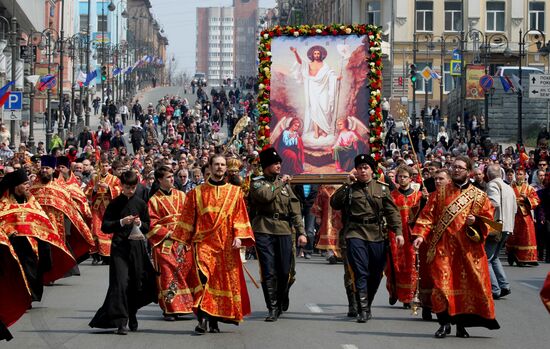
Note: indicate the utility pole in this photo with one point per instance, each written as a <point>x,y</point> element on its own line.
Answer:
<point>88,104</point>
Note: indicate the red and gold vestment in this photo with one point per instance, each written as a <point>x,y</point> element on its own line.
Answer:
<point>404,258</point>
<point>57,203</point>
<point>545,292</point>
<point>213,216</point>
<point>99,201</point>
<point>72,185</point>
<point>15,299</point>
<point>331,220</point>
<point>30,220</point>
<point>523,242</point>
<point>458,265</point>
<point>173,259</point>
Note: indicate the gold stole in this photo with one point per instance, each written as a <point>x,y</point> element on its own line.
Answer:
<point>460,203</point>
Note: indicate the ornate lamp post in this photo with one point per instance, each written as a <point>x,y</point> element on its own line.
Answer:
<point>522,53</point>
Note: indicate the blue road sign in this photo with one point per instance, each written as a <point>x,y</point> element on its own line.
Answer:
<point>456,55</point>
<point>486,82</point>
<point>456,68</point>
<point>14,101</point>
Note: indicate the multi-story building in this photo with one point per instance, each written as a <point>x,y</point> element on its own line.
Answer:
<point>215,43</point>
<point>227,41</point>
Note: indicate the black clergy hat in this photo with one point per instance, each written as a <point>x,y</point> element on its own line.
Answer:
<point>13,179</point>
<point>269,157</point>
<point>48,161</point>
<point>366,159</point>
<point>63,161</point>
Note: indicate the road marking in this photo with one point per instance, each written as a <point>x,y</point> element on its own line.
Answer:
<point>529,285</point>
<point>349,346</point>
<point>314,308</point>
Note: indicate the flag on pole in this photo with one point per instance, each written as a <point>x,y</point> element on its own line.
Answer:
<point>435,75</point>
<point>81,78</point>
<point>506,84</point>
<point>117,71</point>
<point>90,76</point>
<point>47,81</point>
<point>5,93</point>
<point>33,79</point>
<point>517,85</point>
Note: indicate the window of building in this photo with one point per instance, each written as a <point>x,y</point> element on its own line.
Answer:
<point>424,16</point>
<point>448,80</point>
<point>495,16</point>
<point>102,23</point>
<point>83,23</point>
<point>423,86</point>
<point>453,16</point>
<point>536,15</point>
<point>373,12</point>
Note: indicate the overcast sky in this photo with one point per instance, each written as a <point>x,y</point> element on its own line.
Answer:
<point>178,18</point>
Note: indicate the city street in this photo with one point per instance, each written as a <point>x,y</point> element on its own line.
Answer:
<point>316,318</point>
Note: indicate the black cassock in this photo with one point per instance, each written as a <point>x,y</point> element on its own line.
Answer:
<point>132,282</point>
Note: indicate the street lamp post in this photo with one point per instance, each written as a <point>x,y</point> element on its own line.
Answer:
<point>497,38</point>
<point>61,39</point>
<point>443,41</point>
<point>14,44</point>
<point>522,53</point>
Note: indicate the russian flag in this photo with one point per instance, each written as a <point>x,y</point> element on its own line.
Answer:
<point>507,85</point>
<point>90,76</point>
<point>47,81</point>
<point>117,71</point>
<point>4,93</point>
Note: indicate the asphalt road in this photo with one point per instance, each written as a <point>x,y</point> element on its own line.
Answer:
<point>316,318</point>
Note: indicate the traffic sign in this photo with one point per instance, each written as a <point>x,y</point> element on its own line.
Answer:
<point>456,55</point>
<point>14,101</point>
<point>486,82</point>
<point>11,115</point>
<point>426,73</point>
<point>539,86</point>
<point>456,68</point>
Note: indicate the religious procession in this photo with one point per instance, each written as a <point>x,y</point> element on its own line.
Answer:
<point>196,205</point>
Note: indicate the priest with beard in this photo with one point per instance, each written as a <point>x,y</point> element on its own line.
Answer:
<point>63,213</point>
<point>132,282</point>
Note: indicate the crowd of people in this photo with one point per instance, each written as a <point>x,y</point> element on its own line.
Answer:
<point>175,214</point>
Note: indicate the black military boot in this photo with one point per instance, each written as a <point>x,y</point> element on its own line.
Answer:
<point>363,306</point>
<point>352,302</point>
<point>270,294</point>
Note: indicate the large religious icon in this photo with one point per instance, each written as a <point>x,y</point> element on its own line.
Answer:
<point>320,101</point>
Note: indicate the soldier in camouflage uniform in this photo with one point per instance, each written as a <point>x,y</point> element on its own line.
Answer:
<point>367,207</point>
<point>276,212</point>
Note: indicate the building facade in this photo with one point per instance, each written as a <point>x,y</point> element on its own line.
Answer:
<point>227,39</point>
<point>215,43</point>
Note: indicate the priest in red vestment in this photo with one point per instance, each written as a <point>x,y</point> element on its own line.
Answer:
<point>58,205</point>
<point>522,244</point>
<point>545,292</point>
<point>101,190</point>
<point>41,252</point>
<point>329,221</point>
<point>215,220</point>
<point>401,276</point>
<point>173,259</point>
<point>15,299</point>
<point>71,183</point>
<point>452,225</point>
